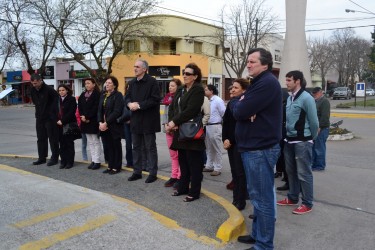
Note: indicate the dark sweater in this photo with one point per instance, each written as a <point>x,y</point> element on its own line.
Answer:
<point>263,98</point>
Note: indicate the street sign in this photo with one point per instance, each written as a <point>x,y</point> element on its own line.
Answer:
<point>360,89</point>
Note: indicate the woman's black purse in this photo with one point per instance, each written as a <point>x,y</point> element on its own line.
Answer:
<point>192,129</point>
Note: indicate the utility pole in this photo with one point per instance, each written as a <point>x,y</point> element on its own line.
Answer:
<point>256,33</point>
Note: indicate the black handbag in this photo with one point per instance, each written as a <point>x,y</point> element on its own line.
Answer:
<point>73,129</point>
<point>192,129</point>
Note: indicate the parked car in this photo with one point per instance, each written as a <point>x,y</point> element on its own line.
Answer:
<point>370,92</point>
<point>342,92</point>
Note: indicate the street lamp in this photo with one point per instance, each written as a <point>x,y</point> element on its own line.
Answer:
<point>353,11</point>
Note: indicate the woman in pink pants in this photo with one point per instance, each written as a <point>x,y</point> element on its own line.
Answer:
<point>175,175</point>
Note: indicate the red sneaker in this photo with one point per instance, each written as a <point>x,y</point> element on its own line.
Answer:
<point>286,202</point>
<point>303,209</point>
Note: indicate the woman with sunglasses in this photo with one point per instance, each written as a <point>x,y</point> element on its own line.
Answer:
<point>187,105</point>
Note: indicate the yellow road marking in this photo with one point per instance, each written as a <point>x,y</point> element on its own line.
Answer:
<point>346,115</point>
<point>47,216</point>
<point>52,239</point>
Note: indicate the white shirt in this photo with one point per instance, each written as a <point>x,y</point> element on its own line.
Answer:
<point>217,109</point>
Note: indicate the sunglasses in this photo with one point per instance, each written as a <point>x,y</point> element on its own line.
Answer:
<point>187,73</point>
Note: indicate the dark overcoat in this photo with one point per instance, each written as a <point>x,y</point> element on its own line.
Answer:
<point>112,110</point>
<point>89,108</point>
<point>146,92</point>
<point>190,103</point>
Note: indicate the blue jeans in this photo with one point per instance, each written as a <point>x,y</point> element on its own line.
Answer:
<point>319,150</point>
<point>84,147</point>
<point>128,145</point>
<point>298,166</point>
<point>259,169</point>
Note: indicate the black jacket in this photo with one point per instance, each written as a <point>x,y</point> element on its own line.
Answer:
<point>89,108</point>
<point>112,110</point>
<point>68,108</point>
<point>46,103</point>
<point>229,125</point>
<point>146,92</point>
<point>190,104</point>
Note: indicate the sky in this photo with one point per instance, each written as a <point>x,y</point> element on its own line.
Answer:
<point>320,14</point>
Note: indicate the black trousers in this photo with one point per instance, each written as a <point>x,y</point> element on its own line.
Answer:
<point>114,150</point>
<point>145,153</point>
<point>238,174</point>
<point>67,150</point>
<point>47,130</point>
<point>191,163</point>
<point>280,165</point>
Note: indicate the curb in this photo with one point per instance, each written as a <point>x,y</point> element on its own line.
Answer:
<point>233,227</point>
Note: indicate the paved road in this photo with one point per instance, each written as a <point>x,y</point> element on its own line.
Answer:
<point>343,216</point>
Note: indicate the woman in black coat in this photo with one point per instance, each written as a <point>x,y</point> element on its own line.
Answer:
<point>186,105</point>
<point>66,115</point>
<point>229,142</point>
<point>88,103</point>
<point>110,108</point>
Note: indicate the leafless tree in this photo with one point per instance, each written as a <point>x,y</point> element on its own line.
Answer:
<point>7,50</point>
<point>245,24</point>
<point>95,28</point>
<point>34,39</point>
<point>321,57</point>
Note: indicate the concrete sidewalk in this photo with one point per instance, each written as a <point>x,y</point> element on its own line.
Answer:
<point>206,223</point>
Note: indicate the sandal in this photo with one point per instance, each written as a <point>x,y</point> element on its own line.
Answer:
<point>107,171</point>
<point>176,193</point>
<point>189,199</point>
<point>114,171</point>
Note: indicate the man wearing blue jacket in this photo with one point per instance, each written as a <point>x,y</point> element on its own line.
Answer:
<point>301,129</point>
<point>258,132</point>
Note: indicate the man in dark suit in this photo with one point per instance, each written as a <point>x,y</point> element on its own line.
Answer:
<point>45,99</point>
<point>143,99</point>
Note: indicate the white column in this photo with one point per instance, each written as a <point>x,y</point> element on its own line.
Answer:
<point>294,56</point>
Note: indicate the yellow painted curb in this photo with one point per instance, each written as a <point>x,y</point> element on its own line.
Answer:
<point>351,115</point>
<point>229,230</point>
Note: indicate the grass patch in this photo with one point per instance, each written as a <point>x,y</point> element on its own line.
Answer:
<point>369,103</point>
<point>338,131</point>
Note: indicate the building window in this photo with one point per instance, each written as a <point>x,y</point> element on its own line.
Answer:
<point>156,46</point>
<point>131,46</point>
<point>173,47</point>
<point>277,56</point>
<point>198,47</point>
<point>217,49</point>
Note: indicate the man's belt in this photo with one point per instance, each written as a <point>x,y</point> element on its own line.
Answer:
<point>216,123</point>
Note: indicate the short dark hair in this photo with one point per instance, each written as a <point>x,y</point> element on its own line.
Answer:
<point>68,89</point>
<point>265,57</point>
<point>297,75</point>
<point>213,89</point>
<point>196,69</point>
<point>114,80</point>
<point>244,83</point>
<point>35,76</point>
<point>316,90</point>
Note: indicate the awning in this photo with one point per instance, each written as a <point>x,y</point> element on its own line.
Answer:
<point>5,92</point>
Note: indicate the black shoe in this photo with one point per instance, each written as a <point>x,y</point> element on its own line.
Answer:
<point>240,205</point>
<point>151,178</point>
<point>96,166</point>
<point>175,185</point>
<point>251,216</point>
<point>114,171</point>
<point>52,162</point>
<point>170,182</point>
<point>107,171</point>
<point>39,161</point>
<point>251,248</point>
<point>135,177</point>
<point>68,166</point>
<point>284,187</point>
<point>91,165</point>
<point>247,239</point>
<point>62,166</point>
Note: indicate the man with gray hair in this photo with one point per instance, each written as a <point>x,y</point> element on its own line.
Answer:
<point>143,99</point>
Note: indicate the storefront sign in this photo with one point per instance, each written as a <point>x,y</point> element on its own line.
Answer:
<point>49,72</point>
<point>14,76</point>
<point>80,74</point>
<point>164,71</point>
